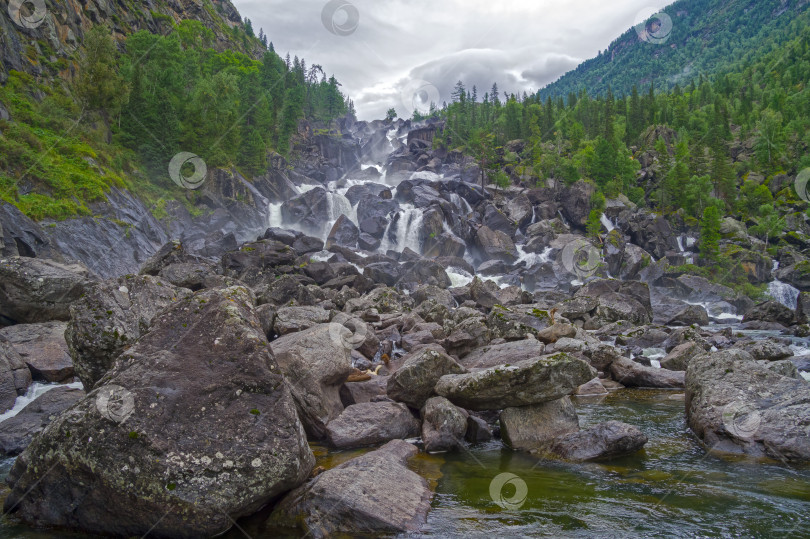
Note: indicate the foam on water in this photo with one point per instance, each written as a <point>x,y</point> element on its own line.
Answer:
<point>459,277</point>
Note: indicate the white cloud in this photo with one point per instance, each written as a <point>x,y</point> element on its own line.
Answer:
<point>521,44</point>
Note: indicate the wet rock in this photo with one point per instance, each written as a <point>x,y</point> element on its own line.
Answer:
<point>374,494</point>
<point>769,417</point>
<point>503,354</point>
<point>387,273</point>
<point>603,441</point>
<point>111,316</point>
<point>770,311</point>
<point>494,244</point>
<point>413,383</point>
<point>198,426</point>
<point>315,363</point>
<point>307,211</point>
<point>680,356</point>
<point>689,315</point>
<point>443,425</point>
<point>36,290</point>
<point>15,377</point>
<point>644,337</point>
<point>682,335</point>
<point>594,387</point>
<point>371,423</point>
<point>478,430</point>
<point>631,374</point>
<point>344,233</point>
<point>43,348</point>
<point>535,427</point>
<point>424,272</point>
<point>17,432</point>
<point>532,381</point>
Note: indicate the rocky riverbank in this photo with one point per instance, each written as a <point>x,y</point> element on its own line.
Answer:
<point>392,299</point>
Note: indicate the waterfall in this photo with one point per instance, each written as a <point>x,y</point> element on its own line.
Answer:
<point>533,259</point>
<point>782,292</point>
<point>680,244</point>
<point>460,203</point>
<point>275,215</point>
<point>562,218</point>
<point>406,233</point>
<point>607,223</point>
<point>459,277</point>
<point>340,205</point>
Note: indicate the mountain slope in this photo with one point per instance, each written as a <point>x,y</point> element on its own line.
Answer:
<point>706,37</point>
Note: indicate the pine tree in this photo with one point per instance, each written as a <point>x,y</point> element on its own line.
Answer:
<point>710,234</point>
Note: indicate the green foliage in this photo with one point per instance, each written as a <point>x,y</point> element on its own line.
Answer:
<point>710,234</point>
<point>594,225</point>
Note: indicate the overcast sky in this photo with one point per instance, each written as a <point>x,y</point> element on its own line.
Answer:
<point>397,53</point>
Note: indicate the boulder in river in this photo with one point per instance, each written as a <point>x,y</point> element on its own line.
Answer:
<point>371,423</point>
<point>631,374</point>
<point>413,383</point>
<point>737,404</point>
<point>535,427</point>
<point>443,425</point>
<point>527,382</point>
<point>603,441</point>
<point>371,495</point>
<point>192,429</point>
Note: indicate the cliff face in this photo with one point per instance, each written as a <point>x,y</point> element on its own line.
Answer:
<point>43,42</point>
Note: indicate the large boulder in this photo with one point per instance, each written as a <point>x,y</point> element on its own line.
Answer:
<point>631,374</point>
<point>503,354</point>
<point>372,495</point>
<point>603,441</point>
<point>18,431</point>
<point>443,425</point>
<point>737,404</point>
<point>770,311</point>
<point>15,377</point>
<point>36,290</point>
<point>495,245</point>
<point>43,348</point>
<point>534,428</point>
<point>315,363</point>
<point>111,316</point>
<point>344,233</point>
<point>680,356</point>
<point>576,202</point>
<point>192,429</point>
<point>532,381</point>
<point>371,423</point>
<point>292,319</point>
<point>413,382</point>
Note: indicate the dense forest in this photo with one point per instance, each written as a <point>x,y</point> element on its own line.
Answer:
<point>720,146</point>
<point>686,38</point>
<point>125,114</point>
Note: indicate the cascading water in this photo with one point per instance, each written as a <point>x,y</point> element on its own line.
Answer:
<point>782,292</point>
<point>406,231</point>
<point>275,219</point>
<point>607,223</point>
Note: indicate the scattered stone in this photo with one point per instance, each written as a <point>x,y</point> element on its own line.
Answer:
<point>413,383</point>
<point>604,441</point>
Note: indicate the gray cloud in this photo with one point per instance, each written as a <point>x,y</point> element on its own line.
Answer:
<point>522,45</point>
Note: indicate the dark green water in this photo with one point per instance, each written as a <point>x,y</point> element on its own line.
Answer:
<point>671,489</point>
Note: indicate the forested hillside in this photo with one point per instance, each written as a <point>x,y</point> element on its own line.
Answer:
<point>115,110</point>
<point>691,38</point>
<point>727,145</point>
